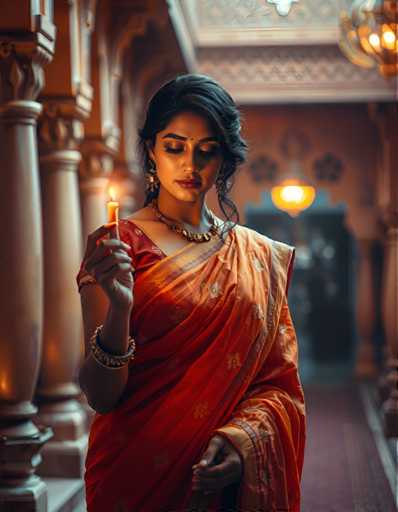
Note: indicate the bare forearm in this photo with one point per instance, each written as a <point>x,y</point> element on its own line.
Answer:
<point>103,387</point>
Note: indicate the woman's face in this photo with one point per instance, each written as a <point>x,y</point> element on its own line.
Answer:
<point>187,149</point>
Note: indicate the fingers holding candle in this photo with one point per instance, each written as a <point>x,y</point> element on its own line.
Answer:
<point>114,232</point>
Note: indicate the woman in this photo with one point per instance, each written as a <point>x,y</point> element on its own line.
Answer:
<point>207,413</point>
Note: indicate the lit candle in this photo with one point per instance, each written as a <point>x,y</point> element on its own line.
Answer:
<point>113,211</point>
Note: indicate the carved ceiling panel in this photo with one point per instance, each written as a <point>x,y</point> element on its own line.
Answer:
<point>251,22</point>
<point>260,13</point>
<point>295,73</point>
<point>262,56</point>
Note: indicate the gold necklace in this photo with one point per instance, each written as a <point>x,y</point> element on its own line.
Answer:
<point>189,235</point>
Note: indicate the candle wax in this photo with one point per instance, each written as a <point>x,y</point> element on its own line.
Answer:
<point>113,214</point>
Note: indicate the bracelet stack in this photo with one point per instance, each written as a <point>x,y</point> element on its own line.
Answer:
<point>106,359</point>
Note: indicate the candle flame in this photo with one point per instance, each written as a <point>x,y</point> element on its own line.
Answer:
<point>112,193</point>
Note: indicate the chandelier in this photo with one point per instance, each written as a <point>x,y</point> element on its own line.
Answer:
<point>368,35</point>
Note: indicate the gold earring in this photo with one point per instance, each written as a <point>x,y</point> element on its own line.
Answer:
<point>152,180</point>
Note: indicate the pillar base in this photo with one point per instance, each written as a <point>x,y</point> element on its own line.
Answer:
<point>20,488</point>
<point>64,459</point>
<point>383,388</point>
<point>390,415</point>
<point>31,497</point>
<point>67,418</point>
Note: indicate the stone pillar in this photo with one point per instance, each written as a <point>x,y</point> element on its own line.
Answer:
<point>57,392</point>
<point>385,117</point>
<point>365,366</point>
<point>361,221</point>
<point>21,269</point>
<point>390,320</point>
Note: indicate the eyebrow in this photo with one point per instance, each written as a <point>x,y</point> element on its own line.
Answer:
<point>180,137</point>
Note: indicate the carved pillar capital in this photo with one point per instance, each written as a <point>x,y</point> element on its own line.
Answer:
<point>389,218</point>
<point>21,70</point>
<point>60,128</point>
<point>97,160</point>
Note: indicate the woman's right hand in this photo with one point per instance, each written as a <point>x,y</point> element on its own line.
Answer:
<point>108,262</point>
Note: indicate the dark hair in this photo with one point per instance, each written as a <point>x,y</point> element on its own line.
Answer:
<point>202,94</point>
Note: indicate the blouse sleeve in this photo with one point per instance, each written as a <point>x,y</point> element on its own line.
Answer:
<point>83,277</point>
<point>268,427</point>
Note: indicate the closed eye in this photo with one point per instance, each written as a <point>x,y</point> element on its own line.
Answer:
<point>209,153</point>
<point>200,151</point>
<point>172,150</point>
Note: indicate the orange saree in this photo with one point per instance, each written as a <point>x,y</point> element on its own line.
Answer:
<point>216,353</point>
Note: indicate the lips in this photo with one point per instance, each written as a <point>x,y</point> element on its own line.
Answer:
<point>193,183</point>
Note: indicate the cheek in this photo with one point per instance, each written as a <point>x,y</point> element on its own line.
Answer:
<point>166,163</point>
<point>212,168</point>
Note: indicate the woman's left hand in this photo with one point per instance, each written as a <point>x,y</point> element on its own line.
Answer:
<point>224,466</point>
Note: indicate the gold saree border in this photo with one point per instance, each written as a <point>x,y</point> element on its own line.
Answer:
<point>164,271</point>
<point>237,432</point>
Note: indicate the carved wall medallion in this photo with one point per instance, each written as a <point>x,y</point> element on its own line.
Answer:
<point>263,168</point>
<point>328,168</point>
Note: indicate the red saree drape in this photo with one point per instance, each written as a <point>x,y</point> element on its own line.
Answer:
<point>216,353</point>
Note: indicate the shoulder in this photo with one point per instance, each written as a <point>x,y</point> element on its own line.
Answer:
<point>129,229</point>
<point>143,214</point>
<point>278,252</point>
<point>278,257</point>
<point>137,221</point>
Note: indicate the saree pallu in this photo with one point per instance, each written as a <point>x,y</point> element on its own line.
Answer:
<point>216,354</point>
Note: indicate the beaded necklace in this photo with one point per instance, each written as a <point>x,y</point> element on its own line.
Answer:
<point>178,228</point>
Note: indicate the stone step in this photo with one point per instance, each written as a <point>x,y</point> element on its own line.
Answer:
<point>65,494</point>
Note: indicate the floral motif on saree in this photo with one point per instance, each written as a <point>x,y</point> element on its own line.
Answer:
<point>216,353</point>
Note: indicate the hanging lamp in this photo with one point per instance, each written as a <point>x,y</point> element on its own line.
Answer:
<point>294,193</point>
<point>369,35</point>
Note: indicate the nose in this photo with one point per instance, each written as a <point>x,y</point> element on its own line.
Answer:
<point>192,161</point>
<point>189,160</point>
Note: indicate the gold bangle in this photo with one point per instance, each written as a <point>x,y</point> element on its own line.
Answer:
<point>106,365</point>
<point>107,359</point>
